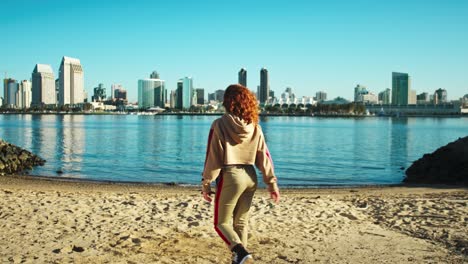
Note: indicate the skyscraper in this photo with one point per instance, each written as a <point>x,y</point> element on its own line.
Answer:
<point>219,95</point>
<point>264,89</point>
<point>173,99</point>
<point>184,93</point>
<point>440,96</point>
<point>151,93</point>
<point>99,93</point>
<point>385,96</point>
<point>243,77</point>
<point>320,96</point>
<point>401,87</point>
<point>200,96</point>
<point>71,81</point>
<point>23,96</point>
<point>154,75</point>
<point>12,89</point>
<point>43,85</point>
<point>358,91</point>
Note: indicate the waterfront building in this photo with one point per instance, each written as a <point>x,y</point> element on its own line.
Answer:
<point>57,90</point>
<point>113,87</point>
<point>99,93</point>
<point>200,96</point>
<point>184,93</point>
<point>385,96</point>
<point>71,82</point>
<point>288,97</point>
<point>219,95</point>
<point>5,91</point>
<point>43,86</point>
<point>151,93</point>
<point>358,91</point>
<point>320,96</point>
<point>173,99</point>
<point>11,91</point>
<point>154,75</point>
<point>211,97</point>
<point>368,98</point>
<point>440,96</point>
<point>264,88</point>
<point>243,77</point>
<point>423,98</point>
<point>401,89</point>
<point>120,94</point>
<point>23,95</point>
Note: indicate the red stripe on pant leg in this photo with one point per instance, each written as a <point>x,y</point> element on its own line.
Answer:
<point>218,194</point>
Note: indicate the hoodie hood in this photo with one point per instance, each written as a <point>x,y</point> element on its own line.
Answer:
<point>235,129</point>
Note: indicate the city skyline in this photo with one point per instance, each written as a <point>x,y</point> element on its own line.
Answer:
<point>314,47</point>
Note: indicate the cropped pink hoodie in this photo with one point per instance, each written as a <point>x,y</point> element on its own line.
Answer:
<point>234,142</point>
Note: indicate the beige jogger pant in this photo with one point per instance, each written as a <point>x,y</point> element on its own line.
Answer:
<point>235,190</point>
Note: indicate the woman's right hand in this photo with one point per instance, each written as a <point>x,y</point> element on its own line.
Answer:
<point>275,196</point>
<point>274,192</point>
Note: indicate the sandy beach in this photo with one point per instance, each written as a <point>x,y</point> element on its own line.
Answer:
<point>50,221</point>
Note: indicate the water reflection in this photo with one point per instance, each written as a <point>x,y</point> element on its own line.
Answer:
<point>71,142</point>
<point>399,143</point>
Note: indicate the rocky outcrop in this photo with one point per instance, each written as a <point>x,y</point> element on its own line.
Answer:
<point>14,159</point>
<point>446,165</point>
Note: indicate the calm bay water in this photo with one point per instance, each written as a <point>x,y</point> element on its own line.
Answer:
<point>307,151</point>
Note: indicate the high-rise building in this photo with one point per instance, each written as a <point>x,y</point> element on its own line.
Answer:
<point>288,97</point>
<point>264,89</point>
<point>243,77</point>
<point>440,96</point>
<point>401,89</point>
<point>43,86</point>
<point>211,97</point>
<point>23,95</point>
<point>154,75</point>
<point>200,96</point>
<point>219,95</point>
<point>151,93</point>
<point>115,87</point>
<point>184,93</point>
<point>99,93</point>
<point>385,96</point>
<point>5,91</point>
<point>173,99</point>
<point>320,96</point>
<point>11,91</point>
<point>359,90</point>
<point>71,82</point>
<point>422,98</point>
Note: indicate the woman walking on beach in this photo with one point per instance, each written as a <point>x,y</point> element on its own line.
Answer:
<point>236,143</point>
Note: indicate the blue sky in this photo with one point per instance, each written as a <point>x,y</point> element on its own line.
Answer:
<point>308,45</point>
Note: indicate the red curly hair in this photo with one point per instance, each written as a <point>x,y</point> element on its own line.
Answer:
<point>241,102</point>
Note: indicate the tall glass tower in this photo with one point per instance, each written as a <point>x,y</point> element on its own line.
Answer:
<point>151,93</point>
<point>243,77</point>
<point>184,93</point>
<point>400,88</point>
<point>264,88</point>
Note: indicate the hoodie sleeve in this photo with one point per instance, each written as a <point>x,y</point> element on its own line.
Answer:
<point>214,160</point>
<point>264,162</point>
